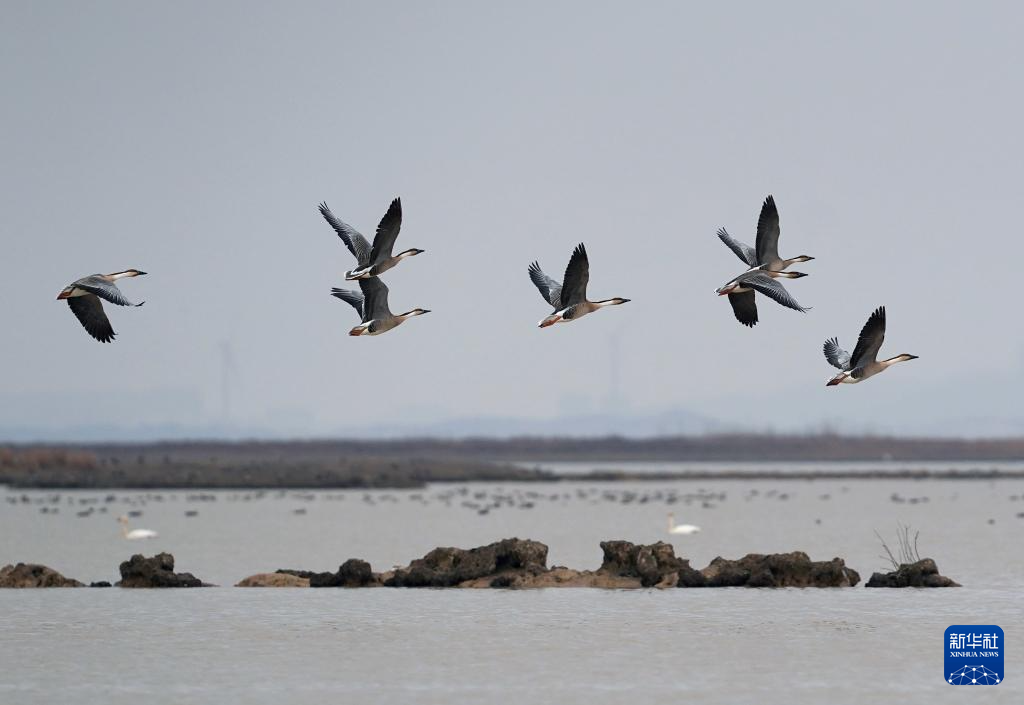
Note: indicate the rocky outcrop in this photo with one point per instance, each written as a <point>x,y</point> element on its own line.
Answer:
<point>655,565</point>
<point>505,561</point>
<point>352,573</point>
<point>624,566</point>
<point>273,580</point>
<point>155,572</point>
<point>923,573</point>
<point>32,575</point>
<point>776,570</point>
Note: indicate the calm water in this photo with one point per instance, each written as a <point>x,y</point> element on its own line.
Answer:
<point>573,646</point>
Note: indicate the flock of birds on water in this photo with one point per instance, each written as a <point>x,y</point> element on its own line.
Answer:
<point>471,499</point>
<point>764,268</point>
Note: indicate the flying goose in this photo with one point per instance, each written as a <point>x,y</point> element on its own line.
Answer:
<point>741,293</point>
<point>863,363</point>
<point>374,260</point>
<point>83,296</point>
<point>765,253</point>
<point>570,297</point>
<point>372,306</point>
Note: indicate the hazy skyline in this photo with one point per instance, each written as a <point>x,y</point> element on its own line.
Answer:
<point>194,141</point>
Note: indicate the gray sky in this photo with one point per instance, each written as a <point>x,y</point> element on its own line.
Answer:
<point>194,141</point>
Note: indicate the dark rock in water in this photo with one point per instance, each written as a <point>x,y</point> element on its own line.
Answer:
<point>923,573</point>
<point>654,564</point>
<point>352,573</point>
<point>625,566</point>
<point>155,572</point>
<point>355,573</point>
<point>100,584</point>
<point>776,570</point>
<point>522,564</point>
<point>447,567</point>
<point>32,575</point>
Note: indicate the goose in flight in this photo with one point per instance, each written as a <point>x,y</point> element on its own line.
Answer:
<point>570,297</point>
<point>371,261</point>
<point>862,363</point>
<point>372,305</point>
<point>765,253</point>
<point>741,293</point>
<point>674,528</point>
<point>83,296</point>
<point>134,534</point>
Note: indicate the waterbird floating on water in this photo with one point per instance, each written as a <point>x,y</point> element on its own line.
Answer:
<point>83,296</point>
<point>372,306</point>
<point>570,297</point>
<point>862,363</point>
<point>134,534</point>
<point>674,528</point>
<point>371,261</point>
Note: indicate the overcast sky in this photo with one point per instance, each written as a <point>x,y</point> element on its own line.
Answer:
<point>195,140</point>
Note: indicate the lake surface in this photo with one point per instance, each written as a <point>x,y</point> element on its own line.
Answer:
<point>572,646</point>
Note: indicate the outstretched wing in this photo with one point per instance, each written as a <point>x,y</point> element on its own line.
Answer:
<point>549,288</point>
<point>764,284</point>
<point>375,294</point>
<point>767,243</point>
<point>744,307</point>
<point>870,340</point>
<point>104,289</point>
<point>352,238</point>
<point>744,252</point>
<point>577,276</point>
<point>89,311</point>
<point>353,298</point>
<point>387,232</point>
<point>836,356</point>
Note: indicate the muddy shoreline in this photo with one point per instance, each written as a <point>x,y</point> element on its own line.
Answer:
<point>417,475</point>
<point>412,464</point>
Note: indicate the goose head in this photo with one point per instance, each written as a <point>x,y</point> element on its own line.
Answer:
<point>126,273</point>
<point>414,312</point>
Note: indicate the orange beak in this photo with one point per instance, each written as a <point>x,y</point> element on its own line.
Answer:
<point>356,331</point>
<point>63,295</point>
<point>547,322</point>
<point>835,380</point>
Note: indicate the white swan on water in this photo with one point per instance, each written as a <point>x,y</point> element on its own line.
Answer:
<point>674,528</point>
<point>134,534</point>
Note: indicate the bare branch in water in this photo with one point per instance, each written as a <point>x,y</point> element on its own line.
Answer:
<point>907,546</point>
